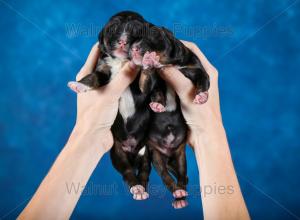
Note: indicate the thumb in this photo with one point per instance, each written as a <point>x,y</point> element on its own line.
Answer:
<point>90,62</point>
<point>122,80</point>
<point>181,84</point>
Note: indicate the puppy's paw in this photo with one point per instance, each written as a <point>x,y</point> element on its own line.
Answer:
<point>140,196</point>
<point>179,204</point>
<point>180,193</point>
<point>157,107</point>
<point>78,87</point>
<point>201,98</point>
<point>150,60</point>
<point>137,189</point>
<point>139,192</point>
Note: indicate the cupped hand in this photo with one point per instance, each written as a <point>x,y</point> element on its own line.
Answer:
<point>97,109</point>
<point>200,118</point>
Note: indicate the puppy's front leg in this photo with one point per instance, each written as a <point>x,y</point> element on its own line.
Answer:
<point>94,80</point>
<point>158,100</point>
<point>159,96</point>
<point>151,83</point>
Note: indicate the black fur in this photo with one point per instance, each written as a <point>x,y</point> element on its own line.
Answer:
<point>166,141</point>
<point>173,52</point>
<point>129,133</point>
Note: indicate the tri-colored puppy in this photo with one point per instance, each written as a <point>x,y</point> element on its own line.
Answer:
<point>129,154</point>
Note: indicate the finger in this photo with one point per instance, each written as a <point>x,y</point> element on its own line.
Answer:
<point>90,62</point>
<point>181,84</point>
<point>122,80</point>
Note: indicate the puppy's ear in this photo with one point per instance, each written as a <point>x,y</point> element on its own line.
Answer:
<point>101,41</point>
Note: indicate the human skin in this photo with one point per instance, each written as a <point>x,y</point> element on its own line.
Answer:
<point>96,111</point>
<point>90,139</point>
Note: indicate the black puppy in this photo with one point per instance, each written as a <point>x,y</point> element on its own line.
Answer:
<point>129,155</point>
<point>160,48</point>
<point>166,142</point>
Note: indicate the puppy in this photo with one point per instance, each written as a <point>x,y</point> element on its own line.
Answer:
<point>166,141</point>
<point>129,155</point>
<point>160,48</point>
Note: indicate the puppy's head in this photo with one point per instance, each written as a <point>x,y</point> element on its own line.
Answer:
<point>119,33</point>
<point>156,39</point>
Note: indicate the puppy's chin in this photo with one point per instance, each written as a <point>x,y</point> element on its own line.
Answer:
<point>137,61</point>
<point>120,54</point>
<point>136,58</point>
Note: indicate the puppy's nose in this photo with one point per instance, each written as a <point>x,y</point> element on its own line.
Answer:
<point>122,43</point>
<point>135,49</point>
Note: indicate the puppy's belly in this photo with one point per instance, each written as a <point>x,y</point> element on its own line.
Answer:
<point>126,104</point>
<point>116,65</point>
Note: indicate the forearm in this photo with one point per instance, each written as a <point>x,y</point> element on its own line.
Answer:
<point>74,165</point>
<point>221,195</point>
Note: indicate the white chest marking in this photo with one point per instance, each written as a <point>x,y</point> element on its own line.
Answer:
<point>171,100</point>
<point>126,102</point>
<point>116,65</point>
<point>142,151</point>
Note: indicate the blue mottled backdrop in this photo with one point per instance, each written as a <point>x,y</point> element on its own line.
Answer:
<point>255,46</point>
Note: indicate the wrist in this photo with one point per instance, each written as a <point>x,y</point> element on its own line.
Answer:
<point>212,132</point>
<point>210,143</point>
<point>210,128</point>
<point>99,139</point>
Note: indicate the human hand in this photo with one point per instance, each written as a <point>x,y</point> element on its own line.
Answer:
<point>208,138</point>
<point>89,140</point>
<point>97,109</point>
<point>199,118</point>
